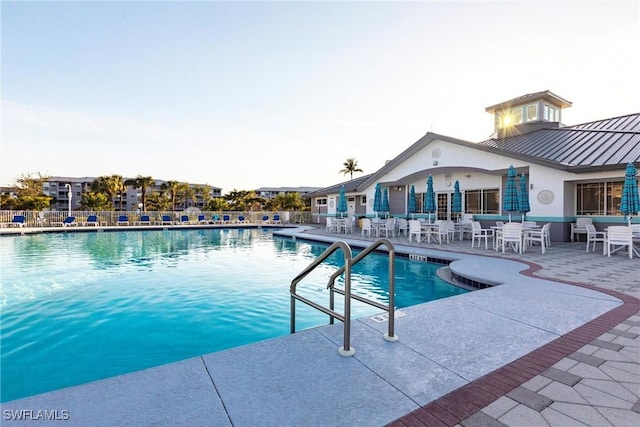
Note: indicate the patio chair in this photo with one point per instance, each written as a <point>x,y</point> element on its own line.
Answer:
<point>201,219</point>
<point>388,228</point>
<point>184,220</point>
<point>366,227</point>
<point>92,220</point>
<point>442,229</point>
<point>347,225</point>
<point>536,236</point>
<point>478,233</point>
<point>594,236</point>
<point>241,219</point>
<point>403,227</point>
<point>331,225</point>
<point>265,219</point>
<point>511,234</point>
<point>276,219</point>
<point>578,227</point>
<point>215,219</point>
<point>415,229</point>
<point>166,220</point>
<point>122,220</point>
<point>620,236</point>
<point>226,219</point>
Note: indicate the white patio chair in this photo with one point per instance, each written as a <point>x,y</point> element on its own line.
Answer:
<point>620,236</point>
<point>578,227</point>
<point>348,225</point>
<point>439,230</point>
<point>530,237</point>
<point>388,228</point>
<point>366,227</point>
<point>594,236</point>
<point>416,230</point>
<point>511,234</point>
<point>478,233</point>
<point>332,225</point>
<point>403,227</point>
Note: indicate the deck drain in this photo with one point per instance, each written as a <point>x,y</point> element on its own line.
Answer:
<point>385,316</point>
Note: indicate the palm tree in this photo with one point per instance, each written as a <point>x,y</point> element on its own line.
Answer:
<point>109,185</point>
<point>350,166</point>
<point>143,183</point>
<point>171,188</point>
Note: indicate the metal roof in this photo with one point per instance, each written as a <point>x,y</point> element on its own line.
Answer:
<point>349,186</point>
<point>608,142</point>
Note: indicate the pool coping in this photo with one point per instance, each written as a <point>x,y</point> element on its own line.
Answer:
<point>457,405</point>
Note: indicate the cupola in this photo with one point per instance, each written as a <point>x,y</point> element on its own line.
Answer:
<point>540,110</point>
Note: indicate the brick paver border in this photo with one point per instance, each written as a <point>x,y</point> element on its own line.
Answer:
<point>460,404</point>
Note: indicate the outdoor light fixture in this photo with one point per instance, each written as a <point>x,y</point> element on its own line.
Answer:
<point>435,163</point>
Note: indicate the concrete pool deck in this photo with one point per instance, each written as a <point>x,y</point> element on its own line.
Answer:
<point>500,356</point>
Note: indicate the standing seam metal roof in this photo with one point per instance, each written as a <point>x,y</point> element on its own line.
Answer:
<point>604,142</point>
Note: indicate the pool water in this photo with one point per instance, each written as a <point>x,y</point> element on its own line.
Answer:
<point>78,307</point>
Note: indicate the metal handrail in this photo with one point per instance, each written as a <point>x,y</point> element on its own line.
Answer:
<point>389,336</point>
<point>346,349</point>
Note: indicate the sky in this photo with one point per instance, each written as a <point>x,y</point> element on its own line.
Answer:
<point>242,95</point>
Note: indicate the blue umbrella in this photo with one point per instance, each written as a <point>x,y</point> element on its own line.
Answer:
<point>342,201</point>
<point>630,202</point>
<point>457,198</point>
<point>430,198</point>
<point>510,202</point>
<point>385,201</point>
<point>411,203</point>
<point>523,197</point>
<point>377,199</point>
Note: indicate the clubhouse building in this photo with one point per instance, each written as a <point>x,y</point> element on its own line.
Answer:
<point>570,171</point>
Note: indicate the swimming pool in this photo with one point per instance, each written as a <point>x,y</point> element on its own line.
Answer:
<point>77,307</point>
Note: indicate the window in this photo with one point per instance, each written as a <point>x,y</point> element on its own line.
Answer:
<point>551,113</point>
<point>511,117</point>
<point>532,112</point>
<point>485,201</point>
<point>598,198</point>
<point>321,202</point>
<point>363,200</point>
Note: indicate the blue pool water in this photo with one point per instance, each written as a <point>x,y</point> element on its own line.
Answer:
<point>77,307</point>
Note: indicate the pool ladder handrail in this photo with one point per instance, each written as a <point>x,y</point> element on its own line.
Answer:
<point>346,349</point>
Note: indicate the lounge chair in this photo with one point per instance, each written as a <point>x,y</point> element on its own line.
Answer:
<point>184,219</point>
<point>166,220</point>
<point>122,220</point>
<point>241,219</point>
<point>265,219</point>
<point>215,219</point>
<point>144,220</point>
<point>17,221</point>
<point>92,220</point>
<point>276,219</point>
<point>226,219</point>
<point>69,221</point>
<point>201,219</point>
